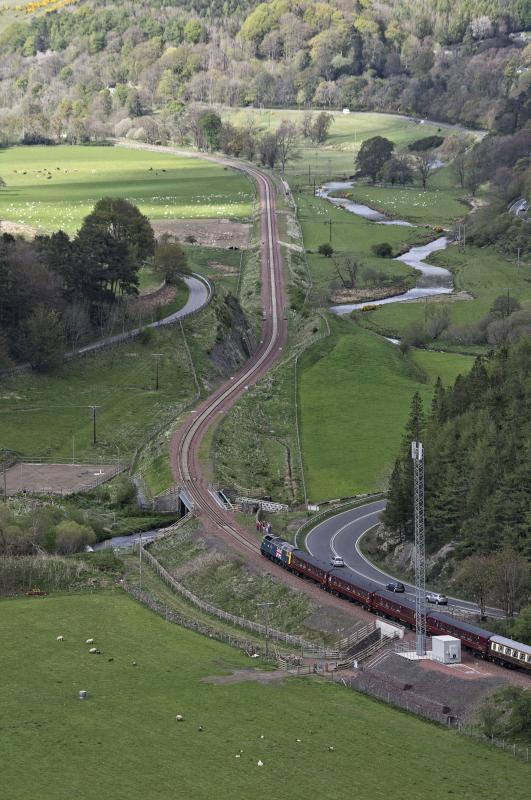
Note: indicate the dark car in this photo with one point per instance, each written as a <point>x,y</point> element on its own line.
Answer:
<point>395,586</point>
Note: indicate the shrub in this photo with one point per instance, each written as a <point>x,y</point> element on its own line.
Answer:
<point>325,250</point>
<point>383,250</point>
<point>426,143</point>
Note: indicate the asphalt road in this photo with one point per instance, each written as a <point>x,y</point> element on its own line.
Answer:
<point>340,536</point>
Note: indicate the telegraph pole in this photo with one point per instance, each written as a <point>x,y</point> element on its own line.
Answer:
<point>417,454</point>
<point>266,606</point>
<point>93,423</point>
<point>157,356</point>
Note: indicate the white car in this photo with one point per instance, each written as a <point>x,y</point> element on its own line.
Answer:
<point>438,599</point>
<point>337,561</point>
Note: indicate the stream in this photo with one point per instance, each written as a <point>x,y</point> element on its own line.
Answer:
<point>432,281</point>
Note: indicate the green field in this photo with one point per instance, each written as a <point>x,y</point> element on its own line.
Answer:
<point>124,742</point>
<point>336,157</point>
<point>483,272</point>
<point>355,391</point>
<point>441,203</point>
<point>52,187</point>
<point>48,414</point>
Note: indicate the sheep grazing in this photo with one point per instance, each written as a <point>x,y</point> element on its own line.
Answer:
<point>237,755</point>
<point>259,763</point>
<point>330,749</point>
<point>200,728</point>
<point>60,638</point>
<point>89,641</point>
<point>93,650</point>
<point>179,717</point>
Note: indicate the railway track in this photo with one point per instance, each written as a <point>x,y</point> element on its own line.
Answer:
<point>185,446</point>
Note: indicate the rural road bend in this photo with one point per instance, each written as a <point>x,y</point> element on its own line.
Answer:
<point>340,536</point>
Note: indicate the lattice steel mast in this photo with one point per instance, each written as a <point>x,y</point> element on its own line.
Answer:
<point>417,454</point>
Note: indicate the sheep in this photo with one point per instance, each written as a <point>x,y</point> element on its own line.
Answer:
<point>60,638</point>
<point>89,641</point>
<point>93,650</point>
<point>179,717</point>
<point>259,763</point>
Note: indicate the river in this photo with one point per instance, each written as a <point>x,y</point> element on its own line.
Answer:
<point>432,281</point>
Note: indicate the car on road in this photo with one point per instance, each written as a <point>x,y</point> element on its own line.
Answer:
<point>337,561</point>
<point>395,586</point>
<point>438,599</point>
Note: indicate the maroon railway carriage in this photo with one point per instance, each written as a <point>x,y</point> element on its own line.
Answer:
<point>345,583</point>
<point>472,637</point>
<point>388,604</point>
<point>308,566</point>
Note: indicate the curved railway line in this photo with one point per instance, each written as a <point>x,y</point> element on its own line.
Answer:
<point>185,446</point>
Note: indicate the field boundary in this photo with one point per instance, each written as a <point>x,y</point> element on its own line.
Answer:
<point>241,622</point>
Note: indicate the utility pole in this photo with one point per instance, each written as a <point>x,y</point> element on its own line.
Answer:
<point>508,301</point>
<point>518,259</point>
<point>140,560</point>
<point>417,454</point>
<point>266,606</point>
<point>330,226</point>
<point>157,357</point>
<point>309,175</point>
<point>93,423</point>
<point>5,477</point>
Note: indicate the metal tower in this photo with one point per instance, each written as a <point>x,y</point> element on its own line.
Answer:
<point>417,454</point>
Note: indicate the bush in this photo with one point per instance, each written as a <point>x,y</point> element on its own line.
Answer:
<point>325,250</point>
<point>426,143</point>
<point>383,250</point>
<point>145,336</point>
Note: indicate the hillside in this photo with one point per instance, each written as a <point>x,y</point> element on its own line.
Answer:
<point>80,71</point>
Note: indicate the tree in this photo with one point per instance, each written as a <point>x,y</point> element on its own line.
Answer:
<point>287,137</point>
<point>397,170</point>
<point>521,630</point>
<point>373,154</point>
<point>122,222</point>
<point>43,338</point>
<point>424,166</point>
<point>170,262</point>
<point>510,579</point>
<point>504,305</point>
<point>347,268</point>
<point>318,130</point>
<point>268,150</point>
<point>71,537</point>
<point>325,249</point>
<point>475,578</point>
<point>210,124</point>
<point>459,168</point>
<point>382,250</point>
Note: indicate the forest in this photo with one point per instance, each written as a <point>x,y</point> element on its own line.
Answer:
<point>97,69</point>
<point>477,437</point>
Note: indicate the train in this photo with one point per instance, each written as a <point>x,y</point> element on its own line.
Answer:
<point>348,585</point>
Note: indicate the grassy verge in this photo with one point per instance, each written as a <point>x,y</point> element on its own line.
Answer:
<point>365,384</point>
<point>124,742</point>
<point>224,581</point>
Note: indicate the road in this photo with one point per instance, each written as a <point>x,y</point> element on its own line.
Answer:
<point>340,536</point>
<point>199,293</point>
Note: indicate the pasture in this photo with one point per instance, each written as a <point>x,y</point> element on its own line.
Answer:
<point>53,187</point>
<point>482,272</point>
<point>123,741</point>
<point>355,391</point>
<point>48,415</point>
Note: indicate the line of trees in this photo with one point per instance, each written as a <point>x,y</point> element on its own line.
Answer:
<point>377,160</point>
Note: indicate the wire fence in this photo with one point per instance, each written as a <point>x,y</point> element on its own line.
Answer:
<point>233,619</point>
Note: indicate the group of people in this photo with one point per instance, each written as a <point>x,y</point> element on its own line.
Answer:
<point>263,527</point>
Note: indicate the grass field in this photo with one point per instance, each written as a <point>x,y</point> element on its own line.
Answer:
<point>355,391</point>
<point>123,741</point>
<point>336,157</point>
<point>482,272</point>
<point>48,414</point>
<point>441,203</point>
<point>52,187</point>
